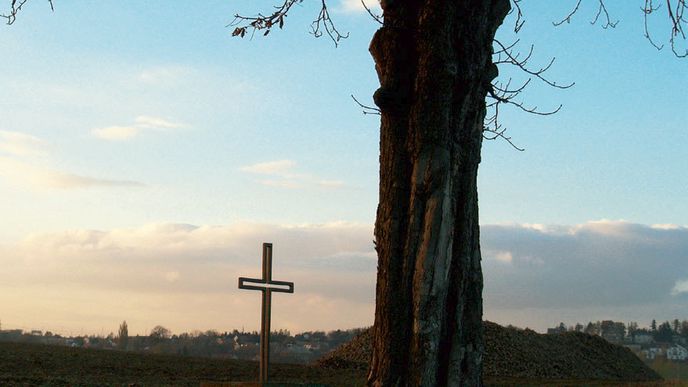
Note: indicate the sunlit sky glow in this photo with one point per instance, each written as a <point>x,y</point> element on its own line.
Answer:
<point>145,155</point>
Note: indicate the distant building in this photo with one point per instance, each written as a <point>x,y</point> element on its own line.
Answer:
<point>11,334</point>
<point>643,338</point>
<point>560,329</point>
<point>677,352</point>
<point>614,332</point>
<point>651,353</point>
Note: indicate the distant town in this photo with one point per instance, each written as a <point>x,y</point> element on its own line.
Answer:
<point>665,340</point>
<point>302,348</point>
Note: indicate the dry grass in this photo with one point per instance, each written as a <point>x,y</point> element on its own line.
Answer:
<point>576,383</point>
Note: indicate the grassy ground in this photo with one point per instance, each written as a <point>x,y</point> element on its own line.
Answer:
<point>674,371</point>
<point>575,383</point>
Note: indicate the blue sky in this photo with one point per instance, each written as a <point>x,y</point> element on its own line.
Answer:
<point>136,118</point>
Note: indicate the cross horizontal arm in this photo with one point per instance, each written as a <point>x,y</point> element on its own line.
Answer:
<point>261,284</point>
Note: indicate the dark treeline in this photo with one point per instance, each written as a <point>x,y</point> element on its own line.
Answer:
<point>675,331</point>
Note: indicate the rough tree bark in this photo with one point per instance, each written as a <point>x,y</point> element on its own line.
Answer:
<point>434,62</point>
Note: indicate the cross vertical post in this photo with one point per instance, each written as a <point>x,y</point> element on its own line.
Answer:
<point>266,285</point>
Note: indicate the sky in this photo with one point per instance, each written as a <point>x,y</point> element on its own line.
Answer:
<point>145,155</point>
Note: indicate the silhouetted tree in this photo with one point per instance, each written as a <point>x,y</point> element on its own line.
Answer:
<point>684,328</point>
<point>123,336</point>
<point>159,333</point>
<point>664,333</point>
<point>632,329</point>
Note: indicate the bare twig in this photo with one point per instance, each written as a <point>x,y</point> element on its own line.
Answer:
<point>568,17</point>
<point>647,10</point>
<point>501,97</point>
<point>519,15</point>
<point>507,56</point>
<point>15,7</point>
<point>366,108</point>
<point>492,130</point>
<point>323,21</point>
<point>602,10</point>
<point>676,13</point>
<point>377,18</point>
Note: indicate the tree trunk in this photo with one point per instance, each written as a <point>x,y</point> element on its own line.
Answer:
<point>434,62</point>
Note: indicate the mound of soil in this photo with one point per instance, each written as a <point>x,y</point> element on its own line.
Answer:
<point>516,353</point>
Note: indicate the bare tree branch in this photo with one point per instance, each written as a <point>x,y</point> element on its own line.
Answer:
<point>506,55</point>
<point>323,21</point>
<point>15,7</point>
<point>601,10</point>
<point>676,13</point>
<point>322,24</point>
<point>500,93</point>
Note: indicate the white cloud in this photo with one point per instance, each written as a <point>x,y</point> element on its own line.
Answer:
<point>116,133</point>
<point>21,144</point>
<point>680,287</point>
<point>284,176</point>
<point>149,122</point>
<point>289,184</point>
<point>278,167</point>
<point>165,75</point>
<point>355,6</point>
<point>127,132</point>
<point>666,226</point>
<point>331,183</point>
<point>504,256</point>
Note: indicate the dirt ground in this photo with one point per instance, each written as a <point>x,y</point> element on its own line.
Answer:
<point>42,365</point>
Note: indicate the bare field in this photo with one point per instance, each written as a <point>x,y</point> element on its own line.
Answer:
<point>42,365</point>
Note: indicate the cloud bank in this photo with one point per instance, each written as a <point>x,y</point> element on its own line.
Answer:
<point>603,269</point>
<point>184,276</point>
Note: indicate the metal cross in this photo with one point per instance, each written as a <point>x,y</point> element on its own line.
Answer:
<point>267,286</point>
